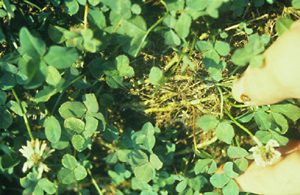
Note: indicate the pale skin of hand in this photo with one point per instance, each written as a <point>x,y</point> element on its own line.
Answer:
<point>279,77</point>
<point>276,80</point>
<point>279,179</point>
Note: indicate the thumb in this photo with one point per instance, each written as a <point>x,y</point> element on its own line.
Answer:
<point>258,87</point>
<point>278,78</point>
<point>238,90</point>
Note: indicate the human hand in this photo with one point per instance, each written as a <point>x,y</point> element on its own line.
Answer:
<point>281,178</point>
<point>275,81</point>
<point>278,78</point>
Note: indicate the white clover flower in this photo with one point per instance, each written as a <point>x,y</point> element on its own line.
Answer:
<point>265,155</point>
<point>36,152</point>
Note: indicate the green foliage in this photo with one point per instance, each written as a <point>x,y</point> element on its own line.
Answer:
<point>282,25</point>
<point>296,4</point>
<point>219,180</point>
<point>52,129</point>
<point>212,57</point>
<point>224,129</point>
<point>291,111</point>
<point>225,181</point>
<point>144,165</point>
<point>251,53</point>
<point>67,68</point>
<point>225,132</point>
<point>32,185</point>
<point>236,152</point>
<point>114,71</point>
<point>207,122</point>
<point>72,170</point>
<point>274,121</point>
<point>72,109</point>
<point>156,76</point>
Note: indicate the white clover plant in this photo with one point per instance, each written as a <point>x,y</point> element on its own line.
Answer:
<point>36,152</point>
<point>265,155</point>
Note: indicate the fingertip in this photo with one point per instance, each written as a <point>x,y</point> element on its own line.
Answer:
<point>238,89</point>
<point>239,94</point>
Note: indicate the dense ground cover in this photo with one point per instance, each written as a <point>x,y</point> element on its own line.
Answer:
<point>133,97</point>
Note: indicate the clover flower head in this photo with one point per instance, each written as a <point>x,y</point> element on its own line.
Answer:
<point>265,154</point>
<point>36,152</point>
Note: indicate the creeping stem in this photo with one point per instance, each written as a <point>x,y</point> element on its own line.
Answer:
<point>23,114</point>
<point>63,91</point>
<point>85,16</point>
<point>94,182</point>
<point>222,102</point>
<point>237,106</point>
<point>194,132</point>
<point>32,4</point>
<point>158,21</point>
<point>57,101</point>
<point>237,123</point>
<point>237,142</point>
<point>193,44</point>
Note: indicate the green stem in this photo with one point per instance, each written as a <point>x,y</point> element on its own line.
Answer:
<point>237,142</point>
<point>179,59</point>
<point>73,81</point>
<point>94,182</point>
<point>171,63</point>
<point>57,101</point>
<point>164,3</point>
<point>237,106</point>
<point>233,72</point>
<point>77,186</point>
<point>158,21</point>
<point>193,45</point>
<point>110,146</point>
<point>214,39</point>
<point>23,115</point>
<point>32,4</point>
<point>63,91</point>
<point>238,124</point>
<point>222,102</point>
<point>225,89</point>
<point>223,84</point>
